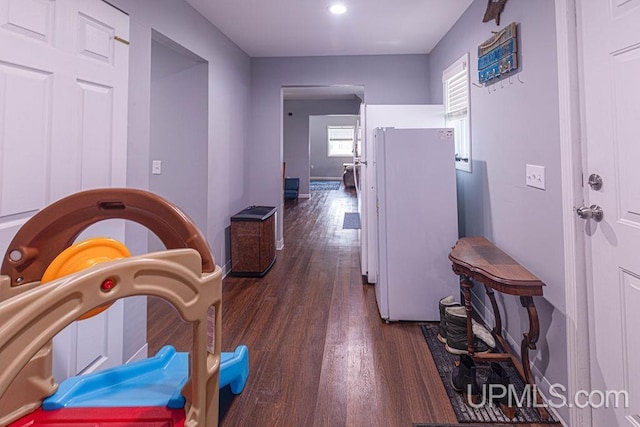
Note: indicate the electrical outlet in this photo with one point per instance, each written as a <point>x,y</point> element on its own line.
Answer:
<point>535,176</point>
<point>156,167</point>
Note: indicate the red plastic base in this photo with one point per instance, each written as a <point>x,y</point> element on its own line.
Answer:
<point>104,417</point>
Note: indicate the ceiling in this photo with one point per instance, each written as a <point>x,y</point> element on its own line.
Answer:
<point>276,28</point>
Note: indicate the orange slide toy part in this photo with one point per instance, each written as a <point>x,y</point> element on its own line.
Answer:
<point>83,255</point>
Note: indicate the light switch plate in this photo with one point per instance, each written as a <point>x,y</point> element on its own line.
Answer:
<point>156,167</point>
<point>535,176</point>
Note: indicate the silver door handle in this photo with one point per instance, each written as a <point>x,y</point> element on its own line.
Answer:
<point>593,211</point>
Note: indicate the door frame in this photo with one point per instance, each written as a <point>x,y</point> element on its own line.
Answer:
<point>572,158</point>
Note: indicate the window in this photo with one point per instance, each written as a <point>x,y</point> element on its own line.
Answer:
<point>340,141</point>
<point>456,109</point>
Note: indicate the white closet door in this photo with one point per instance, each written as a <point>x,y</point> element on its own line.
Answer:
<point>63,120</point>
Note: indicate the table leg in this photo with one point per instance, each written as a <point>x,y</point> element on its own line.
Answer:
<point>529,343</point>
<point>530,338</point>
<point>466,284</point>
<point>497,328</point>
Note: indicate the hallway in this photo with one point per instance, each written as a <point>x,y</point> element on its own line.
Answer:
<point>320,355</point>
<point>319,352</point>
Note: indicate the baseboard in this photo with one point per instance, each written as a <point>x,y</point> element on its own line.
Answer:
<point>326,178</point>
<point>486,314</point>
<point>226,269</point>
<point>141,354</point>
<point>279,245</point>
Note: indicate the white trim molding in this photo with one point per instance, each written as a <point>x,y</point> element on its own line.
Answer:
<point>141,354</point>
<point>226,269</point>
<point>577,325</point>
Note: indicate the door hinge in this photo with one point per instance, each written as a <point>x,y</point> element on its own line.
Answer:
<point>121,40</point>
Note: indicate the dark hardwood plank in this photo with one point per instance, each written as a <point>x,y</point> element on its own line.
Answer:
<point>319,353</point>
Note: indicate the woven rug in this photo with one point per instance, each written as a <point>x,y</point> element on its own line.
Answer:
<point>351,221</point>
<point>324,185</point>
<point>452,425</point>
<point>487,414</point>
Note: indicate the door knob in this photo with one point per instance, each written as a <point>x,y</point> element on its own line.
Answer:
<point>593,211</point>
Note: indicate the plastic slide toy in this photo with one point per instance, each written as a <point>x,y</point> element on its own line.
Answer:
<point>156,381</point>
<point>46,283</point>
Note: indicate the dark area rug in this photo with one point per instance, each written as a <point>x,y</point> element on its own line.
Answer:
<point>488,413</point>
<point>351,221</point>
<point>324,185</point>
<point>453,425</point>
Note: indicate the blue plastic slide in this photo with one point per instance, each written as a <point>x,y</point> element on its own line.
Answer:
<point>156,381</point>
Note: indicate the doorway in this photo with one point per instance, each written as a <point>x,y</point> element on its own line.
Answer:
<point>179,129</point>
<point>178,153</point>
<point>300,104</point>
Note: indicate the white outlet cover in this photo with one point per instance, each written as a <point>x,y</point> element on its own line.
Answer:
<point>535,176</point>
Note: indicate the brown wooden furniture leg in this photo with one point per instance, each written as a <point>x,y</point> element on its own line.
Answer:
<point>529,343</point>
<point>466,284</point>
<point>497,327</point>
<point>530,338</point>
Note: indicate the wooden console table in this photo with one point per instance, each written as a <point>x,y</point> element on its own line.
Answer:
<point>478,259</point>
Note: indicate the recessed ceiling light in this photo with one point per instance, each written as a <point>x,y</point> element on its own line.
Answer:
<point>338,9</point>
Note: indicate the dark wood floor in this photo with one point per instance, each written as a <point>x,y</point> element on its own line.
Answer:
<point>319,353</point>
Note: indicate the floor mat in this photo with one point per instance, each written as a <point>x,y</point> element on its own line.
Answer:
<point>324,185</point>
<point>487,413</point>
<point>351,221</point>
<point>453,425</point>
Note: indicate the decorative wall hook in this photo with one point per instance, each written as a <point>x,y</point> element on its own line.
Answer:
<point>499,54</point>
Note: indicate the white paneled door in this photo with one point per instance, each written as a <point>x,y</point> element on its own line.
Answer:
<point>63,119</point>
<point>610,39</point>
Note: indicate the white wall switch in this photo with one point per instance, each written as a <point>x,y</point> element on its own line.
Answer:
<point>156,167</point>
<point>535,176</point>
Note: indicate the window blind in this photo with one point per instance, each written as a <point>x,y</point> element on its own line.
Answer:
<point>457,96</point>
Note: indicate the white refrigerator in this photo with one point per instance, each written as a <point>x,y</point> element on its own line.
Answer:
<point>372,117</point>
<point>417,221</point>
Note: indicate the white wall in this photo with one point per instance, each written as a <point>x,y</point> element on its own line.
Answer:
<point>390,79</point>
<point>513,124</point>
<point>323,166</point>
<point>228,106</point>
<point>229,81</point>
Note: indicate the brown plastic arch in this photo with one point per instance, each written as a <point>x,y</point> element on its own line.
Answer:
<point>56,227</point>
